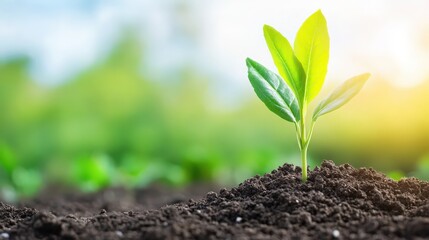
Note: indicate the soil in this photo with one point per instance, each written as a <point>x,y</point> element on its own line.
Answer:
<point>337,202</point>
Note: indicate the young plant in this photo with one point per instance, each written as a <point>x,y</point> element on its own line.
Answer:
<point>302,72</point>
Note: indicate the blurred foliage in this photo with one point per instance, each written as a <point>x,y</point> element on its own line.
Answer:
<point>113,126</point>
<point>110,125</point>
<point>422,170</point>
<point>396,175</point>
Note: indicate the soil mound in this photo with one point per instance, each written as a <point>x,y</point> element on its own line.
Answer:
<point>337,202</point>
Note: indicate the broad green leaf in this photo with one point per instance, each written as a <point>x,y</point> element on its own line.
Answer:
<point>285,60</point>
<point>341,95</point>
<point>312,50</point>
<point>273,91</point>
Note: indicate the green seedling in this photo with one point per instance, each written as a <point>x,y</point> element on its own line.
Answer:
<point>302,72</point>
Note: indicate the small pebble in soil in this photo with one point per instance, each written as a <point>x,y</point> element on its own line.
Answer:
<point>119,234</point>
<point>4,235</point>
<point>238,219</point>
<point>336,233</point>
<point>198,211</point>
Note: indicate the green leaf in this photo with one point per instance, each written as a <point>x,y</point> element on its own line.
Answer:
<point>286,62</point>
<point>273,91</point>
<point>341,95</point>
<point>312,50</point>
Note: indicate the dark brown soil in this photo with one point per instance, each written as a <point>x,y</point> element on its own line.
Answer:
<point>61,203</point>
<point>337,202</point>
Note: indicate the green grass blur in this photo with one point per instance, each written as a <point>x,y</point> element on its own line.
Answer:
<point>113,126</point>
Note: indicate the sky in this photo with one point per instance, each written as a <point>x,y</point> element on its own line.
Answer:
<point>389,38</point>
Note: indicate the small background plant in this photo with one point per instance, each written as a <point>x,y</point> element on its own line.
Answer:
<point>302,72</point>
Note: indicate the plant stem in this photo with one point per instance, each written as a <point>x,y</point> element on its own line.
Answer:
<point>303,144</point>
<point>304,162</point>
<point>304,139</point>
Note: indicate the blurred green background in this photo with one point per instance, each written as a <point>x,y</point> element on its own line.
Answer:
<point>124,120</point>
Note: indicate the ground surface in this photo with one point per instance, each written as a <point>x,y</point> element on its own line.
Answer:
<point>337,202</point>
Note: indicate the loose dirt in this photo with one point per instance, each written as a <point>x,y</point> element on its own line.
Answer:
<point>337,202</point>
